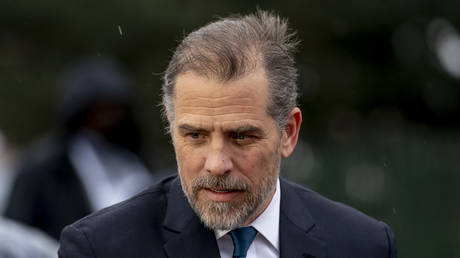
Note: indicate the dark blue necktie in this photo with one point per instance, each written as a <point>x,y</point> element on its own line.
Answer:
<point>242,239</point>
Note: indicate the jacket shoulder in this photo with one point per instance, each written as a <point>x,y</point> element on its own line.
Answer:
<point>323,209</point>
<point>343,228</point>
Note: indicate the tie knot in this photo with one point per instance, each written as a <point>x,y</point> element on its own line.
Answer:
<point>242,239</point>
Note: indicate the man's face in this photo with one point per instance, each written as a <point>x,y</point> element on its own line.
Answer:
<point>227,147</point>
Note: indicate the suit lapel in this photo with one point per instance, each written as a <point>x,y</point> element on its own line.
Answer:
<point>187,237</point>
<point>297,227</point>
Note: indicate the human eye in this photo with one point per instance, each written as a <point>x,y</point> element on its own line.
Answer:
<point>243,138</point>
<point>193,135</point>
<point>238,136</point>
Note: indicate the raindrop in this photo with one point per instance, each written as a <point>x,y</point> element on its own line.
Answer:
<point>120,31</point>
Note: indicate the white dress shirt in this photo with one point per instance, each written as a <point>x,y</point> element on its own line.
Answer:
<point>266,244</point>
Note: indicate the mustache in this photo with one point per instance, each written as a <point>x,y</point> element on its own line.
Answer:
<point>219,182</point>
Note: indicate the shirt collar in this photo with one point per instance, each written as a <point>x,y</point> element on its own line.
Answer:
<point>267,224</point>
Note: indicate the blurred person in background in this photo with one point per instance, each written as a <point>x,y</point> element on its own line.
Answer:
<point>92,162</point>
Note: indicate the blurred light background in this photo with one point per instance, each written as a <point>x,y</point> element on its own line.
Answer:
<point>380,94</point>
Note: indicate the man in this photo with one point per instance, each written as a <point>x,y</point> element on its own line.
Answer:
<point>229,95</point>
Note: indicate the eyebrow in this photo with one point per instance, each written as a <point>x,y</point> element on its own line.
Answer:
<point>239,129</point>
<point>246,128</point>
<point>188,127</point>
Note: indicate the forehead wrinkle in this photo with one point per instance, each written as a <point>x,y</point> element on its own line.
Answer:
<point>190,87</point>
<point>220,119</point>
<point>219,105</point>
<point>234,110</point>
<point>213,101</point>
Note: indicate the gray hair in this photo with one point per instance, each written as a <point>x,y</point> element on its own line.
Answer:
<point>232,47</point>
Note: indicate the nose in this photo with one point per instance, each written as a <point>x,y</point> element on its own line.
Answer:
<point>218,163</point>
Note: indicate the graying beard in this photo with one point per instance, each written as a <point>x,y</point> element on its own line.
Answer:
<point>222,216</point>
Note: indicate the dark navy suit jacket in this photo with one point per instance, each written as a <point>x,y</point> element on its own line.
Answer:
<point>160,223</point>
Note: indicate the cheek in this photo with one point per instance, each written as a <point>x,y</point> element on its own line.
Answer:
<point>256,165</point>
<point>189,162</point>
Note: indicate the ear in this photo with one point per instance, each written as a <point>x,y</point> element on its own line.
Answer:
<point>290,133</point>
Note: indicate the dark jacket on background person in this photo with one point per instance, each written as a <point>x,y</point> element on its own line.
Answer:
<point>47,193</point>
